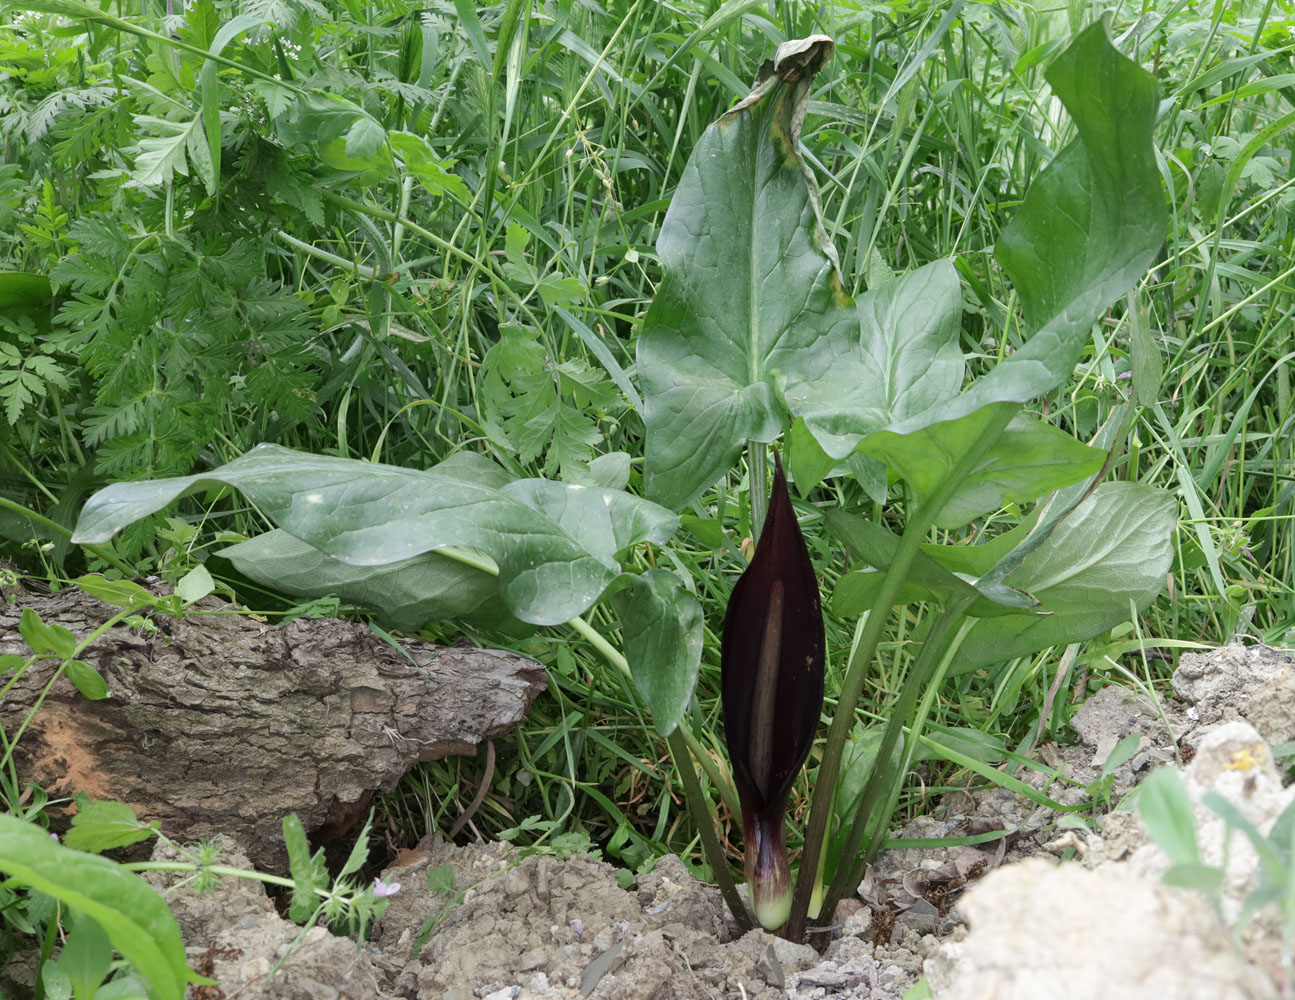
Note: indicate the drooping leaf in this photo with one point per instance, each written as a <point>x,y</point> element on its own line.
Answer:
<point>407,594</point>
<point>369,514</point>
<point>750,286</point>
<point>662,626</point>
<point>1114,548</point>
<point>121,593</point>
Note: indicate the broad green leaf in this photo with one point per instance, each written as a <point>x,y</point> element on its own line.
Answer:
<point>1007,551</point>
<point>856,591</point>
<point>87,680</point>
<point>605,521</point>
<point>57,983</point>
<point>1090,225</point>
<point>406,594</point>
<point>313,120</point>
<point>364,138</point>
<point>713,350</point>
<point>611,471</point>
<point>308,871</point>
<point>23,294</point>
<point>1092,221</point>
<point>101,826</point>
<point>902,360</point>
<point>369,514</point>
<point>432,172</point>
<point>1114,547</point>
<point>876,545</point>
<point>750,288</point>
<point>43,638</point>
<point>195,584</point>
<point>135,918</point>
<point>1030,458</point>
<point>662,626</point>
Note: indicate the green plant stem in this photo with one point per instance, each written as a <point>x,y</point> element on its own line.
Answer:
<point>684,745</point>
<point>386,215</point>
<point>46,950</point>
<point>99,550</point>
<point>189,866</point>
<point>365,272</point>
<point>925,677</point>
<point>852,687</point>
<point>696,804</point>
<point>485,564</point>
<point>759,477</point>
<point>933,653</point>
<point>616,659</point>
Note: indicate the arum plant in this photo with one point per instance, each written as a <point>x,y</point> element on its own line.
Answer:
<point>752,336</point>
<point>772,670</point>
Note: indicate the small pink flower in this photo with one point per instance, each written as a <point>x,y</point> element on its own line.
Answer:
<point>382,889</point>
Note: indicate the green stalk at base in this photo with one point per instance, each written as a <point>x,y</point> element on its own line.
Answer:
<point>767,875</point>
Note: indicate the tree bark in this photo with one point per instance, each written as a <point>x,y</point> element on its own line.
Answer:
<point>220,723</point>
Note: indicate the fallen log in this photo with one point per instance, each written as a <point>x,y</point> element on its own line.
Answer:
<point>220,723</point>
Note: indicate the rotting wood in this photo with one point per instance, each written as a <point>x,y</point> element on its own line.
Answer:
<point>219,723</point>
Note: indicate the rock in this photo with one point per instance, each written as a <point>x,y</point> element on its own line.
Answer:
<point>233,934</point>
<point>1111,714</point>
<point>1232,760</point>
<point>1254,683</point>
<point>1065,933</point>
<point>204,914</point>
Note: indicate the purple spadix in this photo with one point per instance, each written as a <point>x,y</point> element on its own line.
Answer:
<point>772,679</point>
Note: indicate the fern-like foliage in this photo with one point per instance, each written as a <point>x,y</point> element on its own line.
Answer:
<point>76,100</point>
<point>176,332</point>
